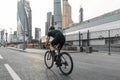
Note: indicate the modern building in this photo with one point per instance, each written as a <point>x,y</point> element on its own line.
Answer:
<point>81,15</point>
<point>12,38</point>
<point>37,34</point>
<point>66,16</point>
<point>15,33</point>
<point>49,22</point>
<point>57,14</point>
<point>104,32</point>
<point>52,20</point>
<point>101,32</point>
<point>2,36</point>
<point>24,21</point>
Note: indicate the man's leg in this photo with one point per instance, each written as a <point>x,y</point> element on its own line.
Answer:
<point>53,52</point>
<point>53,43</point>
<point>52,47</point>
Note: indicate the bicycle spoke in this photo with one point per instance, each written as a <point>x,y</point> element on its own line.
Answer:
<point>48,60</point>
<point>49,57</point>
<point>67,64</point>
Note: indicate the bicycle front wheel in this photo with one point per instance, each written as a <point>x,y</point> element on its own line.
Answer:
<point>67,63</point>
<point>48,59</point>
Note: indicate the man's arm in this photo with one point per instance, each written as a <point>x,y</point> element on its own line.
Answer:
<point>47,40</point>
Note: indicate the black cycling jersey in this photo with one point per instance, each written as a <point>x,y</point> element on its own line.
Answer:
<point>56,33</point>
<point>58,38</point>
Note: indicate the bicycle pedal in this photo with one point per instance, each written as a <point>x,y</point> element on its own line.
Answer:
<point>54,58</point>
<point>58,64</point>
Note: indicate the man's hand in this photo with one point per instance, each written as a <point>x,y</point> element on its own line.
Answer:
<point>46,44</point>
<point>47,41</point>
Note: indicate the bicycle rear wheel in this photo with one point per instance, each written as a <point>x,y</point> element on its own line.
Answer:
<point>67,63</point>
<point>48,59</point>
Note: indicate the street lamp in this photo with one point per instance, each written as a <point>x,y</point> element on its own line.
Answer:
<point>11,35</point>
<point>6,37</point>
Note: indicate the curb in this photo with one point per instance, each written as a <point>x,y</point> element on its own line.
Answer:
<point>17,49</point>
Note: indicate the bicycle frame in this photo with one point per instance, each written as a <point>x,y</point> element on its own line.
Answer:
<point>61,61</point>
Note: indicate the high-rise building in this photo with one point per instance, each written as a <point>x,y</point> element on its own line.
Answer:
<point>15,33</point>
<point>24,20</point>
<point>37,34</point>
<point>50,22</point>
<point>13,37</point>
<point>57,14</point>
<point>46,28</point>
<point>66,17</point>
<point>81,15</point>
<point>2,36</point>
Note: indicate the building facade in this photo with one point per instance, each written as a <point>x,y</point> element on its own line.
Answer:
<point>37,34</point>
<point>104,32</point>
<point>13,37</point>
<point>57,14</point>
<point>81,15</point>
<point>24,21</point>
<point>2,39</point>
<point>48,22</point>
<point>66,16</point>
<point>101,32</point>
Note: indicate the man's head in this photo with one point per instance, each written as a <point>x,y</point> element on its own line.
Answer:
<point>51,28</point>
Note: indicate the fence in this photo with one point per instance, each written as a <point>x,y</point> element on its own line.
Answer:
<point>106,39</point>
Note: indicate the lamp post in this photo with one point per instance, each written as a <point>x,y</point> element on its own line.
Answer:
<point>0,36</point>
<point>6,37</point>
<point>109,44</point>
<point>11,35</point>
<point>80,45</point>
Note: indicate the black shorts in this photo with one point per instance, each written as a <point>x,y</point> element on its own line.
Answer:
<point>58,41</point>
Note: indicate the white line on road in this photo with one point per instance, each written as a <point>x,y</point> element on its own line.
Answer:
<point>12,72</point>
<point>1,57</point>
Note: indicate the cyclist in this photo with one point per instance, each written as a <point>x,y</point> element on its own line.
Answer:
<point>58,38</point>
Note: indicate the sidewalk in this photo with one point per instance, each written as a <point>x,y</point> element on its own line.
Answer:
<point>32,50</point>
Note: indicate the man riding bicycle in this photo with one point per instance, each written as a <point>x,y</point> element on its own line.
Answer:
<point>62,59</point>
<point>58,38</point>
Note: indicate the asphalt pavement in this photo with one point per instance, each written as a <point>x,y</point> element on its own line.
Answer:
<point>29,65</point>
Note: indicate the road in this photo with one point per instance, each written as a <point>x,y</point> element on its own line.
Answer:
<point>17,65</point>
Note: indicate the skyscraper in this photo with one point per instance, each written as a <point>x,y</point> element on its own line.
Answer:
<point>57,14</point>
<point>49,22</point>
<point>81,15</point>
<point>24,20</point>
<point>37,34</point>
<point>66,18</point>
<point>2,36</point>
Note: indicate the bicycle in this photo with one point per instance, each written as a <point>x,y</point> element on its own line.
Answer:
<point>63,60</point>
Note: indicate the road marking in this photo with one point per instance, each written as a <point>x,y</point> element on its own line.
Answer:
<point>12,72</point>
<point>1,57</point>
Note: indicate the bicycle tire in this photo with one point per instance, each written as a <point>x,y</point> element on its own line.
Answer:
<point>71,61</point>
<point>49,56</point>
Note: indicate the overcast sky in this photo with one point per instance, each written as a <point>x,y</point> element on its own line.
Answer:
<point>92,8</point>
